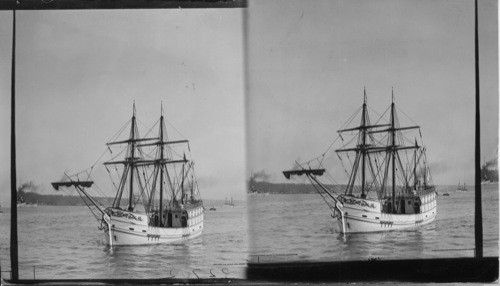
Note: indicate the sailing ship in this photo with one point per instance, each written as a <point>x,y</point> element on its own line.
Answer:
<point>389,185</point>
<point>461,188</point>
<point>150,169</point>
<point>229,202</point>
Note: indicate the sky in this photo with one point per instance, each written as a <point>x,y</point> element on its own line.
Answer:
<point>253,90</point>
<point>309,62</point>
<point>78,74</point>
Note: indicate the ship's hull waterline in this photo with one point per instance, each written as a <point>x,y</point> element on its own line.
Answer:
<point>364,215</point>
<point>131,228</point>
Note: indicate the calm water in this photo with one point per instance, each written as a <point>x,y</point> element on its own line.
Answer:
<point>299,227</point>
<point>64,242</point>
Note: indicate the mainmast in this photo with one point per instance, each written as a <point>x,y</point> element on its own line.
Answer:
<point>160,162</point>
<point>162,147</point>
<point>393,153</point>
<point>363,145</point>
<point>131,164</point>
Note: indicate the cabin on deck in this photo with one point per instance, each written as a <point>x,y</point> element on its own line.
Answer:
<point>403,205</point>
<point>171,218</point>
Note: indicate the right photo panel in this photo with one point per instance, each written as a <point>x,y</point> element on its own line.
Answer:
<point>361,130</point>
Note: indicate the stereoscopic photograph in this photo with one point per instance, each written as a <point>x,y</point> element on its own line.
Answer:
<point>249,142</point>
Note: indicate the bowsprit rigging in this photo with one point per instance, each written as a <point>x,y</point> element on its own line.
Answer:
<point>389,185</point>
<point>157,198</point>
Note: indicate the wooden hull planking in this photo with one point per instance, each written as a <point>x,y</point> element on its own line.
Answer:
<point>365,215</point>
<point>129,228</point>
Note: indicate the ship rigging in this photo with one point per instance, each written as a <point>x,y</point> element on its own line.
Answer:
<point>157,198</point>
<point>388,181</point>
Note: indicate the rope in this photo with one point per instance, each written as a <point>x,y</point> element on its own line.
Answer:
<point>119,132</point>
<point>150,130</point>
<point>184,137</point>
<point>345,169</point>
<point>111,178</point>
<point>399,109</point>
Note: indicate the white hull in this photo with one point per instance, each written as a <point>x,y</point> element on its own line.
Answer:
<point>131,228</point>
<point>365,215</point>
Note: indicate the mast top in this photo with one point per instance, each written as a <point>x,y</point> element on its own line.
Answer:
<point>133,109</point>
<point>364,92</point>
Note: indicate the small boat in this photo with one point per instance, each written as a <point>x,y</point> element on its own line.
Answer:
<point>388,185</point>
<point>446,194</point>
<point>151,170</point>
<point>212,209</point>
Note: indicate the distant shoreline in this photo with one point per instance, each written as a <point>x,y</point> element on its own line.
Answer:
<point>256,188</point>
<point>34,199</point>
<point>260,188</point>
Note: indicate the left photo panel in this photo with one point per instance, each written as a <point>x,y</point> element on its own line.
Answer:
<point>130,143</point>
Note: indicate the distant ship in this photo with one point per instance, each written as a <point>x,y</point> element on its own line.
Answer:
<point>388,182</point>
<point>29,187</point>
<point>229,202</point>
<point>159,175</point>
<point>256,192</point>
<point>21,203</point>
<point>461,188</point>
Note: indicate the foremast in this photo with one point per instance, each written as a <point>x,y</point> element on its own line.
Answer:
<point>365,144</point>
<point>168,182</point>
<point>163,175</point>
<point>130,164</point>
